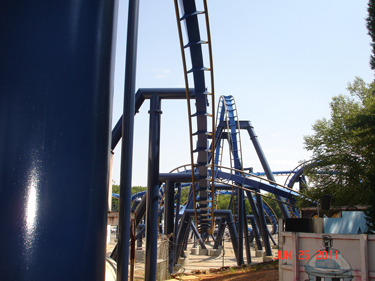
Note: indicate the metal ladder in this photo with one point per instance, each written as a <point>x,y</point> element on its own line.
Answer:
<point>202,188</point>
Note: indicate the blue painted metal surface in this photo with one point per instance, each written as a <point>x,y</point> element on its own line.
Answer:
<point>257,185</point>
<point>152,195</point>
<point>140,96</point>
<point>190,17</point>
<point>127,141</point>
<point>266,168</point>
<point>55,115</point>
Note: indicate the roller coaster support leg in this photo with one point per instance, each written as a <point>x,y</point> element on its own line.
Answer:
<point>220,233</point>
<point>196,234</point>
<point>266,167</point>
<point>222,224</point>
<point>270,235</point>
<point>176,226</point>
<point>263,226</point>
<point>152,221</point>
<point>232,230</point>
<point>184,227</point>
<point>256,217</point>
<point>141,209</point>
<point>55,118</point>
<point>246,236</point>
<point>240,219</point>
<point>231,226</point>
<point>168,220</point>
<point>255,232</point>
<point>139,240</point>
<point>127,142</point>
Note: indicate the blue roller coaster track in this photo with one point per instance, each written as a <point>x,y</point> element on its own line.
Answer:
<point>40,174</point>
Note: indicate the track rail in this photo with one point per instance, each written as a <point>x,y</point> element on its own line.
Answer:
<point>254,181</point>
<point>292,179</point>
<point>194,45</point>
<point>227,114</point>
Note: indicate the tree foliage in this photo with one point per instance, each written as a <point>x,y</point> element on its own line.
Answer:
<point>273,204</point>
<point>343,148</point>
<point>370,24</point>
<point>116,189</point>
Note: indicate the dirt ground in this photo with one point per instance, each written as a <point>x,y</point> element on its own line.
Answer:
<point>261,272</point>
<point>222,267</point>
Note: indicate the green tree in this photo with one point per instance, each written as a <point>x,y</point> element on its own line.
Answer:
<point>343,149</point>
<point>273,204</point>
<point>184,195</point>
<point>116,189</point>
<point>370,24</point>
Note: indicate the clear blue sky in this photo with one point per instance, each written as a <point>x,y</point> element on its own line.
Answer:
<point>283,61</point>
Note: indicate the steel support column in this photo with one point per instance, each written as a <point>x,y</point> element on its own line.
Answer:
<point>240,220</point>
<point>152,222</point>
<point>256,217</point>
<point>196,235</point>
<point>127,142</point>
<point>266,167</point>
<point>169,220</point>
<point>246,236</point>
<point>263,226</point>
<point>55,116</point>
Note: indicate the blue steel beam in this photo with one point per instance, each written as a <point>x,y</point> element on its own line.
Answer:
<point>257,185</point>
<point>55,114</point>
<point>254,184</point>
<point>140,96</point>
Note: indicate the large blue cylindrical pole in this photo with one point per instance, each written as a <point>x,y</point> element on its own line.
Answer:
<point>55,115</point>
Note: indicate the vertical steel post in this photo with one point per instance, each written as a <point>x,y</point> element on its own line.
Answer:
<point>168,220</point>
<point>152,222</point>
<point>55,115</point>
<point>240,220</point>
<point>133,230</point>
<point>127,142</point>
<point>246,236</point>
<point>176,226</point>
<point>263,226</point>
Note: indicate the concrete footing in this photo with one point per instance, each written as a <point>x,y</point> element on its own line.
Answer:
<point>161,270</point>
<point>259,253</point>
<point>184,261</point>
<point>267,258</point>
<point>194,251</point>
<point>206,252</point>
<point>203,252</point>
<point>139,255</point>
<point>177,267</point>
<point>214,252</point>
